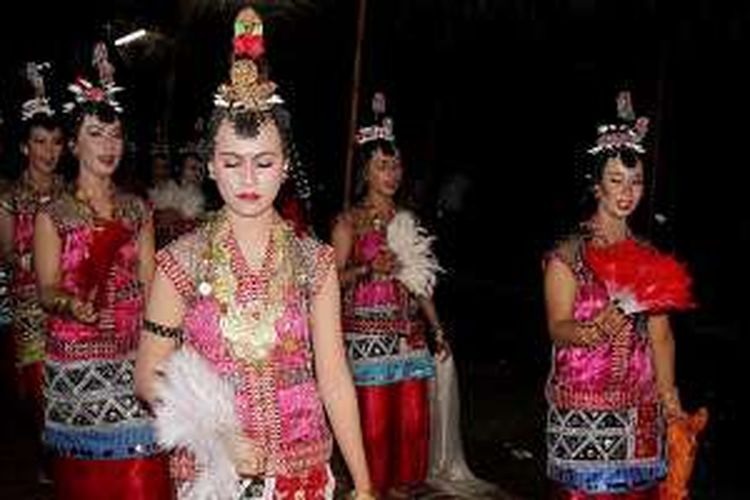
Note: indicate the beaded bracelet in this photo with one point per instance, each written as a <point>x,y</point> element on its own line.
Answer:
<point>671,398</point>
<point>167,332</point>
<point>439,333</point>
<point>590,334</point>
<point>61,304</point>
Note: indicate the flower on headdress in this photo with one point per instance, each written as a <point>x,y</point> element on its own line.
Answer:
<point>86,92</point>
<point>249,45</point>
<point>627,135</point>
<point>94,94</point>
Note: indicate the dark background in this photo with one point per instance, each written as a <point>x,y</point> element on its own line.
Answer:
<point>506,93</point>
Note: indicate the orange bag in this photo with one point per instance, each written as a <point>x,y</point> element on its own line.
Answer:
<point>682,445</point>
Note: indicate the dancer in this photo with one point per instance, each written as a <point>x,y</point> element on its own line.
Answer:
<point>607,295</point>
<point>384,317</point>
<point>255,308</point>
<point>42,143</point>
<point>93,256</point>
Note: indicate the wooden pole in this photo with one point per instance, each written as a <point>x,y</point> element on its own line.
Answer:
<point>658,167</point>
<point>350,145</point>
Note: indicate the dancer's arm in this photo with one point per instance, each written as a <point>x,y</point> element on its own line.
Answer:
<point>160,336</point>
<point>428,308</point>
<point>146,250</point>
<point>47,254</point>
<point>343,242</point>
<point>335,381</point>
<point>662,343</point>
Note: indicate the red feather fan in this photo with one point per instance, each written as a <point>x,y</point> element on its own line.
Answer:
<point>107,240</point>
<point>641,278</point>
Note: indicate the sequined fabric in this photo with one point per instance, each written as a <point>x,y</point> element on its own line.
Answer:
<point>605,428</point>
<point>91,410</point>
<point>384,330</point>
<point>276,394</point>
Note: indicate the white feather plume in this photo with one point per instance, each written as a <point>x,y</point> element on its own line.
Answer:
<point>164,196</point>
<point>191,202</point>
<point>196,412</point>
<point>187,200</point>
<point>413,247</point>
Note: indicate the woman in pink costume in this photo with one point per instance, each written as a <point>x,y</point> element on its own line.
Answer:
<point>384,322</point>
<point>612,380</point>
<point>42,146</point>
<point>259,304</point>
<point>93,255</point>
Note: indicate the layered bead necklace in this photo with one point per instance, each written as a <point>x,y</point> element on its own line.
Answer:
<point>250,302</point>
<point>99,211</point>
<point>376,218</point>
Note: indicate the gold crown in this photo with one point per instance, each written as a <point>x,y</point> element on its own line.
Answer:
<point>248,88</point>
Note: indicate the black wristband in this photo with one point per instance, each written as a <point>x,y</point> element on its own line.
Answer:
<point>167,332</point>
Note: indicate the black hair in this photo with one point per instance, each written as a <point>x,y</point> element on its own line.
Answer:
<point>39,120</point>
<point>103,112</point>
<point>365,154</point>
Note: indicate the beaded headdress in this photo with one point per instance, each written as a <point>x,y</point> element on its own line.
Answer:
<point>40,103</point>
<point>382,129</point>
<point>86,92</point>
<point>248,88</point>
<point>628,134</point>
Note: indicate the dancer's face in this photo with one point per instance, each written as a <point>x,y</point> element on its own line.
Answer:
<point>98,146</point>
<point>248,171</point>
<point>621,188</point>
<point>384,173</point>
<point>43,149</point>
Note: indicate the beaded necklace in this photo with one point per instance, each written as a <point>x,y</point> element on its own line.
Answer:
<point>86,206</point>
<point>375,218</point>
<point>250,302</point>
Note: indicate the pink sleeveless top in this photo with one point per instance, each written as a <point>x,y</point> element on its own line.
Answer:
<point>270,367</point>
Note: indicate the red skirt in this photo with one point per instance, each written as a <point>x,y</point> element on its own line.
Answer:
<point>396,432</point>
<point>129,479</point>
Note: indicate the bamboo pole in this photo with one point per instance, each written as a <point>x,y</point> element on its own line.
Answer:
<point>350,145</point>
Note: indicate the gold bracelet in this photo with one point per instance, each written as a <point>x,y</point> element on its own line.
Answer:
<point>361,495</point>
<point>671,397</point>
<point>62,304</point>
